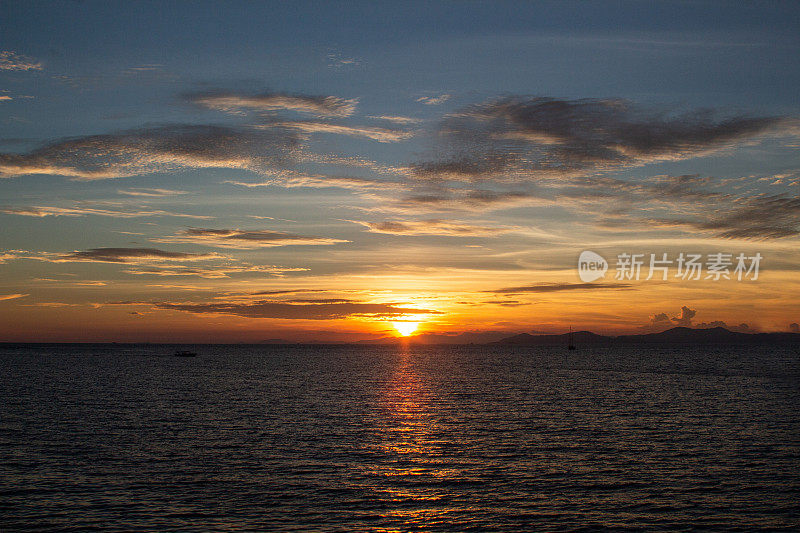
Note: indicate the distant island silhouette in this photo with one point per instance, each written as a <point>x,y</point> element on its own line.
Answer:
<point>674,336</point>
<point>679,335</point>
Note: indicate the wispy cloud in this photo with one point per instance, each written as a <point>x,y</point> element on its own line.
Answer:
<point>434,100</point>
<point>689,203</point>
<point>12,61</point>
<point>442,199</point>
<point>337,61</point>
<point>558,287</point>
<point>383,135</point>
<point>46,211</point>
<point>756,217</point>
<point>291,178</point>
<point>245,239</point>
<point>150,193</point>
<point>433,227</point>
<point>231,102</point>
<point>11,296</point>
<point>213,272</point>
<point>396,119</point>
<point>147,68</point>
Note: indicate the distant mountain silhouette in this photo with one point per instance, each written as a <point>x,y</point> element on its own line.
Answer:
<point>578,338</point>
<point>673,336</point>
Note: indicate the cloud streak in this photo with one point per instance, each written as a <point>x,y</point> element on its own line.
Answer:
<point>158,149</point>
<point>245,239</point>
<point>433,227</point>
<point>213,272</point>
<point>558,287</point>
<point>231,102</point>
<point>383,135</point>
<point>299,311</point>
<point>150,193</point>
<point>11,296</point>
<point>45,211</point>
<point>434,100</point>
<point>133,256</point>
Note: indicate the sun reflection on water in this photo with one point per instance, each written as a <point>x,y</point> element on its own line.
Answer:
<point>413,472</point>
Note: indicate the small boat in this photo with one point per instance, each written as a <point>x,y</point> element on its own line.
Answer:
<point>185,353</point>
<point>570,345</point>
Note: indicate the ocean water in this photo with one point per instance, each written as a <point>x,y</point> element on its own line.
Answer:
<point>365,438</point>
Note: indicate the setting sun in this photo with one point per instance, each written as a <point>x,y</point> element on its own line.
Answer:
<point>405,328</point>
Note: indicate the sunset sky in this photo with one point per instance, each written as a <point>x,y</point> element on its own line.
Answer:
<point>237,172</point>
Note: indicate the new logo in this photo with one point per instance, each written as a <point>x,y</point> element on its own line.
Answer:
<point>591,266</point>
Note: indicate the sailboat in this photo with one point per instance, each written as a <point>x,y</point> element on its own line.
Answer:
<point>570,345</point>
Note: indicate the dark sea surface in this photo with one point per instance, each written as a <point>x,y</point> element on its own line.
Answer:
<point>365,438</point>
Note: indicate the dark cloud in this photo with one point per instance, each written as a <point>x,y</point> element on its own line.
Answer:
<point>506,303</point>
<point>755,217</point>
<point>688,202</point>
<point>158,149</point>
<point>452,199</point>
<point>549,136</point>
<point>662,321</point>
<point>133,255</point>
<point>482,197</point>
<point>305,311</point>
<point>685,318</point>
<point>556,287</point>
<point>245,239</point>
<point>794,327</point>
